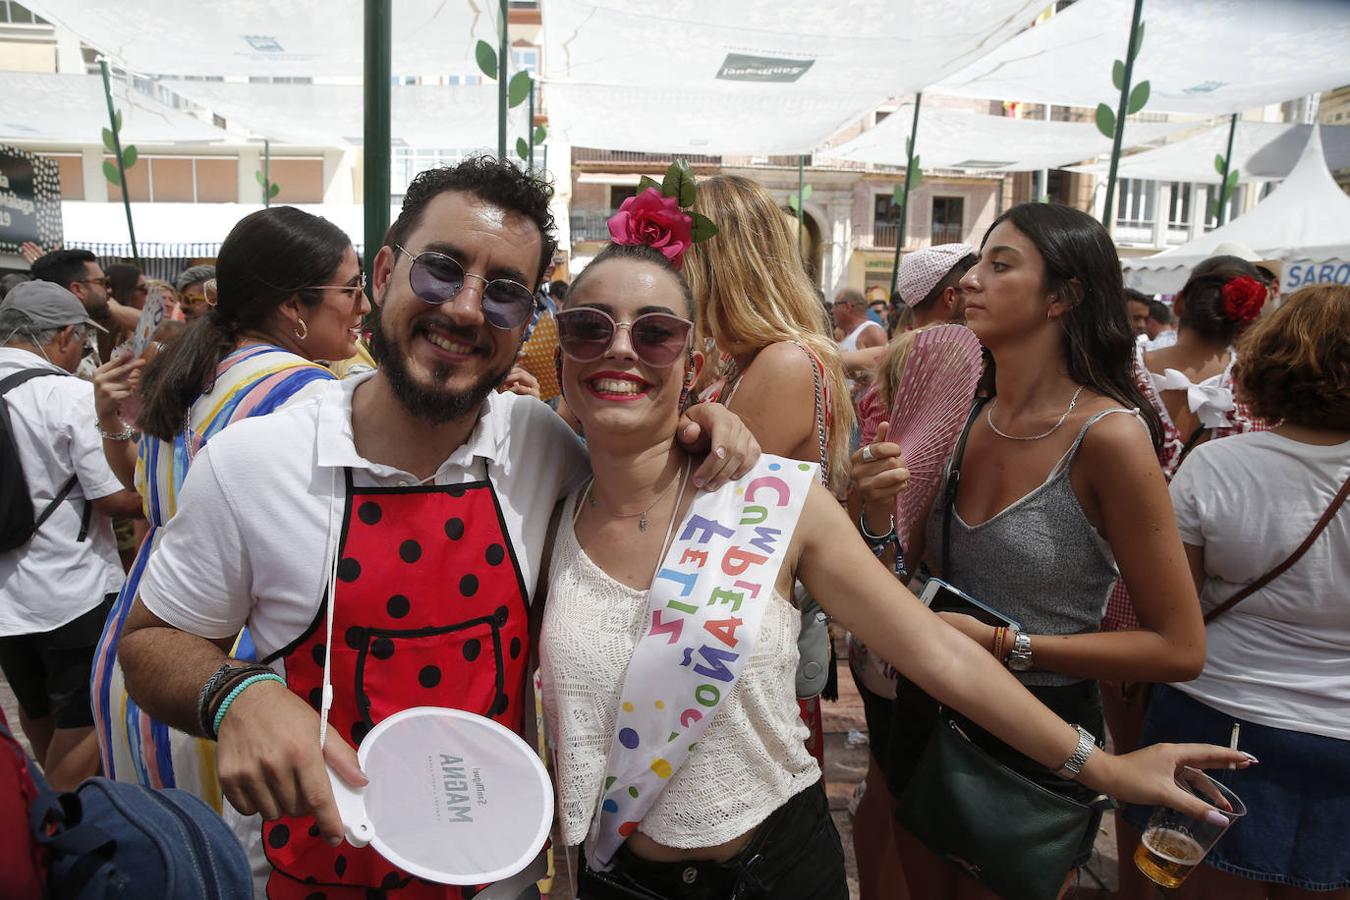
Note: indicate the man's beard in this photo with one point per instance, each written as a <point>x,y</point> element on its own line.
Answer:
<point>430,405</point>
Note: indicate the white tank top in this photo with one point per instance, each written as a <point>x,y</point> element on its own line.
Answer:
<point>850,342</point>
<point>751,760</point>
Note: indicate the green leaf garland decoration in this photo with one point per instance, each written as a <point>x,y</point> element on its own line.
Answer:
<point>487,59</point>
<point>110,172</point>
<point>522,148</point>
<point>274,190</point>
<point>518,89</point>
<point>1219,163</point>
<point>540,133</point>
<point>1138,97</point>
<point>129,156</point>
<point>1118,75</point>
<point>1106,120</point>
<point>108,143</point>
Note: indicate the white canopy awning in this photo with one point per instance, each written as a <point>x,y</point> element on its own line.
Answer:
<point>1305,222</point>
<point>960,139</point>
<point>754,77</point>
<point>459,117</point>
<point>1199,56</point>
<point>1192,160</point>
<point>298,38</point>
<point>71,108</point>
<point>182,229</point>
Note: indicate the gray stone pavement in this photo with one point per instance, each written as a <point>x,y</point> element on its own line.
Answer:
<point>845,766</point>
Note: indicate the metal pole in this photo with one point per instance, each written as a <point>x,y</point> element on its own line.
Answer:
<point>121,169</point>
<point>530,125</point>
<point>1227,164</point>
<point>502,69</point>
<point>1109,213</point>
<point>267,173</point>
<point>1043,187</point>
<point>376,177</point>
<point>904,197</point>
<point>801,186</point>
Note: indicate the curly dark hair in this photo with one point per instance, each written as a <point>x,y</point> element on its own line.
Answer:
<point>1294,364</point>
<point>1200,303</point>
<point>488,178</point>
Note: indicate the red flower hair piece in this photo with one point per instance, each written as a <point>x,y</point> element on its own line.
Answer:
<point>1243,298</point>
<point>657,216</point>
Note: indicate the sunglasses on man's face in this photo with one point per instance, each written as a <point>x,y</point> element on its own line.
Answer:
<point>437,278</point>
<point>658,339</point>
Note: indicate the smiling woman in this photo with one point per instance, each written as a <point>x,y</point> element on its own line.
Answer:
<point>287,291</point>
<point>643,647</point>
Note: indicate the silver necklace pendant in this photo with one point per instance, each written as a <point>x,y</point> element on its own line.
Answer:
<point>642,522</point>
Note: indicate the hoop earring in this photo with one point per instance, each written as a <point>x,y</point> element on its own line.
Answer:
<point>302,332</point>
<point>688,386</point>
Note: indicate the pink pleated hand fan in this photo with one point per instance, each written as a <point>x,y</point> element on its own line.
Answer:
<point>931,404</point>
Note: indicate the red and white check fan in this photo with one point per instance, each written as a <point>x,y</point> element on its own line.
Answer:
<point>931,404</point>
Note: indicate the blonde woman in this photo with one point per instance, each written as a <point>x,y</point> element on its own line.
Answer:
<point>756,302</point>
<point>781,374</point>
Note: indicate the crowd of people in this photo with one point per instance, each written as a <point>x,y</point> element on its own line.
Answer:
<point>344,499</point>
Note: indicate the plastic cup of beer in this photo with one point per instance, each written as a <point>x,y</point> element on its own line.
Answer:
<point>1174,843</point>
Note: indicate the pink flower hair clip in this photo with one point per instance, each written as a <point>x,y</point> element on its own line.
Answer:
<point>658,215</point>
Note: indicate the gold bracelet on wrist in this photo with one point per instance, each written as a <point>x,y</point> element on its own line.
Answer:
<point>126,434</point>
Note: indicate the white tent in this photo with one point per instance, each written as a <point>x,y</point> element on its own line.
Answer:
<point>1255,156</point>
<point>751,77</point>
<point>72,109</point>
<point>297,38</point>
<point>460,117</point>
<point>1211,57</point>
<point>961,139</point>
<point>180,229</point>
<point>1305,222</point>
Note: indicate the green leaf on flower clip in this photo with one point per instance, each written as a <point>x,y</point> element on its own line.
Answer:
<point>679,183</point>
<point>703,227</point>
<point>646,181</point>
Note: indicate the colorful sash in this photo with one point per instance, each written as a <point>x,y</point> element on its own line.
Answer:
<point>706,603</point>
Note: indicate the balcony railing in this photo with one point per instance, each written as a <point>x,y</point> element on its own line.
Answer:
<point>632,157</point>
<point>589,226</point>
<point>883,234</point>
<point>946,234</point>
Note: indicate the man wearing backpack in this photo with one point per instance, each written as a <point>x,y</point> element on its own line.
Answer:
<point>59,568</point>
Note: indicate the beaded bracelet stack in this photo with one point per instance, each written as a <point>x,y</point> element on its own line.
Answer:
<point>222,688</point>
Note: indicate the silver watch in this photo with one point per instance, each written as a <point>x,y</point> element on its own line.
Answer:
<point>1019,657</point>
<point>1074,764</point>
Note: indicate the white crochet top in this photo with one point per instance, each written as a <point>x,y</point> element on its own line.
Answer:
<point>751,760</point>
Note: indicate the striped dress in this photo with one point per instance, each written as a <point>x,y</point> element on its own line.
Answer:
<point>251,381</point>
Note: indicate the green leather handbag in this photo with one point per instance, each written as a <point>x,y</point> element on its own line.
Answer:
<point>1012,835</point>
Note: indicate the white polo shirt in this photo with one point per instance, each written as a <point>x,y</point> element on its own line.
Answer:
<point>54,579</point>
<point>263,501</point>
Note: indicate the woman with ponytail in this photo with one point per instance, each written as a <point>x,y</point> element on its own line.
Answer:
<point>288,291</point>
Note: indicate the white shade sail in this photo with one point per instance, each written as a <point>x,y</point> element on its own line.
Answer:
<point>959,139</point>
<point>751,77</point>
<point>182,229</point>
<point>444,116</point>
<point>1199,56</point>
<point>1192,159</point>
<point>297,38</point>
<point>72,109</point>
<point>1305,222</point>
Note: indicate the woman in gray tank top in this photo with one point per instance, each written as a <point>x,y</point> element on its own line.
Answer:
<point>1059,491</point>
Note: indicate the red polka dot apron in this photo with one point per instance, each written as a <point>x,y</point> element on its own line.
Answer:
<point>430,611</point>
